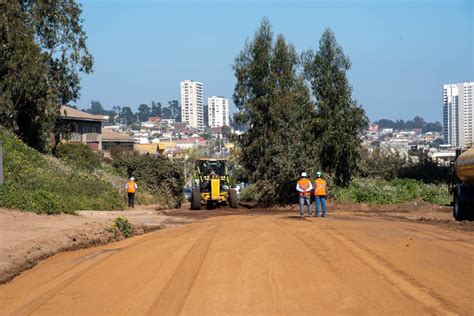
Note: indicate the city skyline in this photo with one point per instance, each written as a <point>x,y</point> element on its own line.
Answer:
<point>141,48</point>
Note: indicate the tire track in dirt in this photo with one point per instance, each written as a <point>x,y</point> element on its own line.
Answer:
<point>31,302</point>
<point>81,266</point>
<point>432,302</point>
<point>173,296</point>
<point>310,246</point>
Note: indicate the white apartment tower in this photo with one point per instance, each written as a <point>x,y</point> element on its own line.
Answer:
<point>218,111</point>
<point>192,111</point>
<point>458,114</point>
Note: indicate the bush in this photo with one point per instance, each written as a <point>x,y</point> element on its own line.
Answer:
<point>123,225</point>
<point>159,175</point>
<point>379,191</point>
<point>44,184</point>
<point>80,154</point>
<point>389,165</point>
<point>249,193</point>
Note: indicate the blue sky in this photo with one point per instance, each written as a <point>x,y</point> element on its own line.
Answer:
<point>402,52</point>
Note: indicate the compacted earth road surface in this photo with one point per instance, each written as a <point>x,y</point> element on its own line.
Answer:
<point>262,264</point>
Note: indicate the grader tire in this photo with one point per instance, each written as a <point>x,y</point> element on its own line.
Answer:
<point>196,199</point>
<point>233,199</point>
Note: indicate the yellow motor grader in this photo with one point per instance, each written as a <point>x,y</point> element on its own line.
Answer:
<point>211,185</point>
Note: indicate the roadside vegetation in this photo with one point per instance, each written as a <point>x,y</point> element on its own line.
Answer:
<point>123,226</point>
<point>77,179</point>
<point>379,191</point>
<point>249,193</point>
<point>385,177</point>
<point>160,176</point>
<point>44,184</point>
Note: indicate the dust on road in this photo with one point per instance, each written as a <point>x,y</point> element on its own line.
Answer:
<point>261,265</point>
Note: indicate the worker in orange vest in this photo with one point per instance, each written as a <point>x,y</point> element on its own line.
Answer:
<point>304,187</point>
<point>131,188</point>
<point>320,193</point>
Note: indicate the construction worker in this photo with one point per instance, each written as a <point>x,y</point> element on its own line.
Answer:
<point>320,192</point>
<point>304,187</point>
<point>131,188</point>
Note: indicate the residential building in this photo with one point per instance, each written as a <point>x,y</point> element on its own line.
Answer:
<point>112,138</point>
<point>154,119</point>
<point>192,103</point>
<point>218,111</point>
<point>76,126</point>
<point>458,114</point>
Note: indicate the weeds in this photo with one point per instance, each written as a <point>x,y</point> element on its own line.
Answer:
<point>123,225</point>
<point>378,191</point>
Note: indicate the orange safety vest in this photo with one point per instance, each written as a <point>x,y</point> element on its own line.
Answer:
<point>320,187</point>
<point>304,185</point>
<point>131,187</point>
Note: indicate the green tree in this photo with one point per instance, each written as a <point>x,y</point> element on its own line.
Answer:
<point>26,106</point>
<point>155,109</point>
<point>43,51</point>
<point>275,103</point>
<point>166,113</point>
<point>143,112</point>
<point>96,108</point>
<point>339,117</point>
<point>58,29</point>
<point>175,110</point>
<point>127,115</point>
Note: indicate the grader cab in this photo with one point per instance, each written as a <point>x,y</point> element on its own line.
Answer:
<point>211,185</point>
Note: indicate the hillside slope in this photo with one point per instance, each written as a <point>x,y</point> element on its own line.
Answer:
<point>44,184</point>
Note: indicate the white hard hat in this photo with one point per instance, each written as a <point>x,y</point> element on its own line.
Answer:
<point>304,174</point>
<point>132,178</point>
<point>318,174</point>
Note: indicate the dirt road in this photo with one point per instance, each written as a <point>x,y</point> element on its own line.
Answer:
<point>261,265</point>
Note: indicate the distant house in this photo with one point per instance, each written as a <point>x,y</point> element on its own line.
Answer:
<point>80,127</point>
<point>111,138</point>
<point>179,127</point>
<point>154,119</point>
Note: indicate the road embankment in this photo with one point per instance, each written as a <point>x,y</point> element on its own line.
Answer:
<point>27,238</point>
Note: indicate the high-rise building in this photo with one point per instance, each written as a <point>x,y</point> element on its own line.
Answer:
<point>218,111</point>
<point>191,103</point>
<point>458,114</point>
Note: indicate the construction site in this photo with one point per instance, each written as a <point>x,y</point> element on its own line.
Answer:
<point>236,158</point>
<point>412,259</point>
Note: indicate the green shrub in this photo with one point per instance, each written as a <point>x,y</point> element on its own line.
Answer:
<point>379,191</point>
<point>390,164</point>
<point>80,154</point>
<point>249,193</point>
<point>158,175</point>
<point>123,225</point>
<point>44,184</point>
